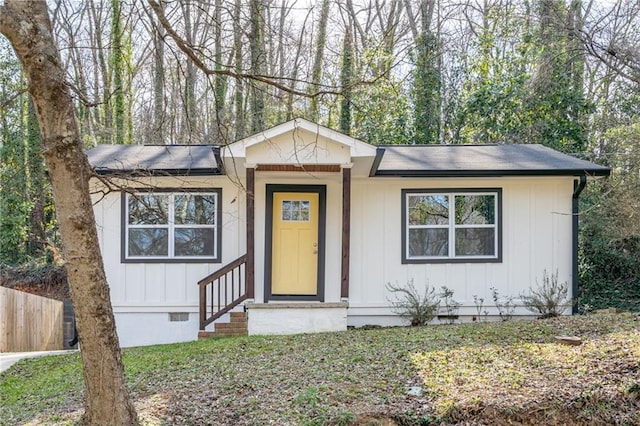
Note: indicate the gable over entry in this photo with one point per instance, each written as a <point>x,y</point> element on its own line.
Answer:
<point>302,227</point>
<point>301,156</point>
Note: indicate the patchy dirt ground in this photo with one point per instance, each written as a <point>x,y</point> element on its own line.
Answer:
<point>513,373</point>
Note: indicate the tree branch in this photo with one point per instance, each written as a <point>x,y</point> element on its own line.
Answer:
<point>270,80</point>
<point>617,60</point>
<point>6,102</point>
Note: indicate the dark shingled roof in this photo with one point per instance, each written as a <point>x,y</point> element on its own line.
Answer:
<point>480,160</point>
<point>392,160</point>
<point>162,159</point>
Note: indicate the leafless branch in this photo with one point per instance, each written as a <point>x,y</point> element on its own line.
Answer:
<point>7,102</point>
<point>276,82</point>
<point>621,61</point>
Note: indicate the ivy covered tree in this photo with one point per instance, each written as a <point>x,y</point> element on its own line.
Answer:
<point>381,113</point>
<point>346,80</point>
<point>27,225</point>
<point>557,102</point>
<point>525,83</point>
<point>494,94</point>
<point>610,226</point>
<point>426,90</point>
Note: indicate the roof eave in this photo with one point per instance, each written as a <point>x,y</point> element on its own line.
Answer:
<point>489,173</point>
<point>158,172</point>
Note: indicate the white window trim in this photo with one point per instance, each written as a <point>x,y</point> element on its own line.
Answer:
<point>171,226</point>
<point>452,226</point>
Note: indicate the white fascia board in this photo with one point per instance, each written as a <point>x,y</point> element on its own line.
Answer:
<point>358,148</point>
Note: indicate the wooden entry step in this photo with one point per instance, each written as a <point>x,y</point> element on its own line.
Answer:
<point>237,326</point>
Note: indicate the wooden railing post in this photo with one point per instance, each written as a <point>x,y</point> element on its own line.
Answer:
<point>203,306</point>
<point>218,283</point>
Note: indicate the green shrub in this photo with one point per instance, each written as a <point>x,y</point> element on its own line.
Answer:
<point>609,226</point>
<point>610,272</point>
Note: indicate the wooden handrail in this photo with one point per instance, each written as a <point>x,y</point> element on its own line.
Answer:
<point>222,271</point>
<point>228,279</point>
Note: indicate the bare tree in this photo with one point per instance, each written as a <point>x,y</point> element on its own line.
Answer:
<point>157,132</point>
<point>611,37</point>
<point>190,108</point>
<point>28,27</point>
<point>256,40</point>
<point>316,73</point>
<point>117,71</point>
<point>239,87</point>
<point>101,73</point>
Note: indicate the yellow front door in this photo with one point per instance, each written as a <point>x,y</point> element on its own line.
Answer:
<point>295,244</point>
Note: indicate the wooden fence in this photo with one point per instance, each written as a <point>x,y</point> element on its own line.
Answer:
<point>29,322</point>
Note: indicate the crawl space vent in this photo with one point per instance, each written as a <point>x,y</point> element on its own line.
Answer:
<point>178,316</point>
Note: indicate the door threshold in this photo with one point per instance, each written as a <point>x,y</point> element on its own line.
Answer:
<point>297,305</point>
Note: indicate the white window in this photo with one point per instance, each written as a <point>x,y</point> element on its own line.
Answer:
<point>460,225</point>
<point>172,226</point>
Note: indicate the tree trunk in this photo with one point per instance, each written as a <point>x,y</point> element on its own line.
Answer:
<point>28,28</point>
<point>100,63</point>
<point>280,59</point>
<point>389,22</point>
<point>575,65</point>
<point>346,80</point>
<point>157,134</point>
<point>256,39</point>
<point>548,36</point>
<point>117,66</point>
<point>316,73</point>
<point>190,118</point>
<point>239,90</point>
<point>220,81</point>
<point>295,68</point>
<point>75,58</point>
<point>427,80</point>
<point>35,182</point>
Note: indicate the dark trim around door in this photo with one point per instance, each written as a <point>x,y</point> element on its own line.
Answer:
<point>321,190</point>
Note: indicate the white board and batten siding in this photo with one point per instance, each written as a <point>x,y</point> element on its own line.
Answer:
<point>150,300</point>
<point>536,233</point>
<point>536,237</point>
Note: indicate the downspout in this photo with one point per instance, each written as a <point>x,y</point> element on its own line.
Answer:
<point>578,186</point>
<point>218,157</point>
<point>376,161</point>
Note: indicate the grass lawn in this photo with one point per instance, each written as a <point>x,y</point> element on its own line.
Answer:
<point>487,373</point>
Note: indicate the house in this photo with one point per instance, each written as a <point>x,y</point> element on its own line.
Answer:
<point>299,228</point>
